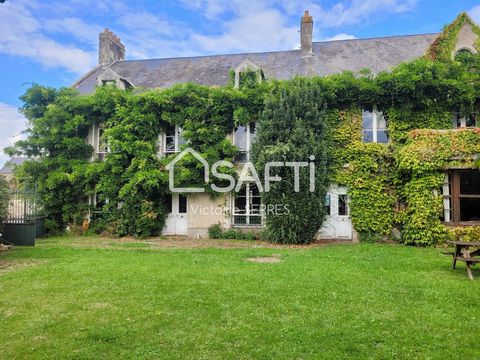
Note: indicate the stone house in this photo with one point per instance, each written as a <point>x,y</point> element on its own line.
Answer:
<point>461,189</point>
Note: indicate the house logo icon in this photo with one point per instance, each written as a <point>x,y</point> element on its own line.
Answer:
<point>171,171</point>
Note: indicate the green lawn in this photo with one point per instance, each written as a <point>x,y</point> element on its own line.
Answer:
<point>77,298</point>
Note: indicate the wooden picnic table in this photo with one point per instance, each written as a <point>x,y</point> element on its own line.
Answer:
<point>462,253</point>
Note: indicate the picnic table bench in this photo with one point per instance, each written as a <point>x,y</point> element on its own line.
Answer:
<point>462,253</point>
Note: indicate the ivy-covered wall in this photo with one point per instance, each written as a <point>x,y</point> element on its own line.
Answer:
<point>443,47</point>
<point>391,186</point>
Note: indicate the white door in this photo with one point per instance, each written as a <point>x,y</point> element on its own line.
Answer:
<point>177,221</point>
<point>338,224</point>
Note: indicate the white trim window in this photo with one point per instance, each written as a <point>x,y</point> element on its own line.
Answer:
<point>243,138</point>
<point>374,127</point>
<point>247,206</point>
<point>462,121</point>
<point>172,139</point>
<point>100,142</point>
<point>447,199</point>
<point>96,204</point>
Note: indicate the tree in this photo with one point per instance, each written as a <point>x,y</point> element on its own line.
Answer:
<point>294,128</point>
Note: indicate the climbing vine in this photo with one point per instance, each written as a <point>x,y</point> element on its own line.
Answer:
<point>443,47</point>
<point>391,186</point>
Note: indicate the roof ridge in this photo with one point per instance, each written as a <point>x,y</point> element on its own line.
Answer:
<point>268,52</point>
<point>377,37</point>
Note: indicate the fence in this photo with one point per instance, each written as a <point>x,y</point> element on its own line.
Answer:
<point>25,221</point>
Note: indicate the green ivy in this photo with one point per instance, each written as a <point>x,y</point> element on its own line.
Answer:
<point>390,186</point>
<point>443,47</point>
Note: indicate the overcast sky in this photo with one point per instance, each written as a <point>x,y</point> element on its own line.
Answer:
<point>55,42</point>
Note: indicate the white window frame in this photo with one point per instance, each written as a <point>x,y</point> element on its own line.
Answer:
<point>92,202</point>
<point>248,215</point>
<point>376,116</point>
<point>463,121</point>
<point>447,199</point>
<point>100,154</point>
<point>178,131</point>
<point>248,143</point>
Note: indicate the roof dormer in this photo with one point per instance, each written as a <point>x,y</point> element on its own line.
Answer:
<point>247,66</point>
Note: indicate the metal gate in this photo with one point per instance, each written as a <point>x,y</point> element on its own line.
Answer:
<point>25,221</point>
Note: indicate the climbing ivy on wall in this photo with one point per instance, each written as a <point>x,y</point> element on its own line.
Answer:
<point>443,47</point>
<point>390,186</point>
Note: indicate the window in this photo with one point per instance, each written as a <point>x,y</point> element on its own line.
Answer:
<point>169,203</point>
<point>172,139</point>
<point>182,204</point>
<point>464,121</point>
<point>374,127</point>
<point>100,142</point>
<point>342,205</point>
<point>464,56</point>
<point>109,82</point>
<point>327,205</point>
<point>461,197</point>
<point>243,138</point>
<point>447,215</point>
<point>246,206</point>
<point>97,203</point>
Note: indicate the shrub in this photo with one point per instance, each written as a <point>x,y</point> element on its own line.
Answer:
<point>215,231</point>
<point>471,233</point>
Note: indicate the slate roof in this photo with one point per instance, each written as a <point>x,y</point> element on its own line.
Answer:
<point>376,54</point>
<point>7,169</point>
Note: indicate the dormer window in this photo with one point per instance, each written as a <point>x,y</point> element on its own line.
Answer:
<point>374,127</point>
<point>465,121</point>
<point>248,74</point>
<point>463,55</point>
<point>109,82</point>
<point>243,138</point>
<point>172,139</point>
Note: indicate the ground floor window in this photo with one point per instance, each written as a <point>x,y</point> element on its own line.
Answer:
<point>96,203</point>
<point>461,197</point>
<point>247,206</point>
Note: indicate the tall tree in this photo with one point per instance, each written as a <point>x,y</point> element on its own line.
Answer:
<point>294,128</point>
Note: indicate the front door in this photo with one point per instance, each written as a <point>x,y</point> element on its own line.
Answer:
<point>177,221</point>
<point>338,224</point>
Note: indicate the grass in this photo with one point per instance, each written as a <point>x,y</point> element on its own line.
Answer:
<point>91,299</point>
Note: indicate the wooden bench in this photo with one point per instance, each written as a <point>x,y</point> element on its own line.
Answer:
<point>463,254</point>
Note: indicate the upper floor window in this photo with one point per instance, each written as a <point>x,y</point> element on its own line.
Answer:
<point>109,82</point>
<point>248,74</point>
<point>243,138</point>
<point>464,121</point>
<point>100,142</point>
<point>173,139</point>
<point>464,56</point>
<point>374,127</point>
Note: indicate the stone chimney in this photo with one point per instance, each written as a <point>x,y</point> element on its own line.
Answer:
<point>306,34</point>
<point>110,48</point>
